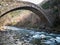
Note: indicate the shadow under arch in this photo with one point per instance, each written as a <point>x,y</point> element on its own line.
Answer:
<point>34,8</point>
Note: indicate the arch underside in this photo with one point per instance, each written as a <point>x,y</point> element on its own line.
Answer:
<point>28,6</point>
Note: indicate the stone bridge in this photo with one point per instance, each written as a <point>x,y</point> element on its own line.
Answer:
<point>49,19</point>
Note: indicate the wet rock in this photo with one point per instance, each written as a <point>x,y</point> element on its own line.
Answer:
<point>38,33</point>
<point>53,40</point>
<point>58,39</point>
<point>53,35</point>
<point>48,37</point>
<point>42,36</point>
<point>36,36</point>
<point>49,42</point>
<point>32,32</point>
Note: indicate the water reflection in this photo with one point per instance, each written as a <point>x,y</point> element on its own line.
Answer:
<point>19,36</point>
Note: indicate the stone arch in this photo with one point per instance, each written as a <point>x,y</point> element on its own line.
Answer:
<point>29,6</point>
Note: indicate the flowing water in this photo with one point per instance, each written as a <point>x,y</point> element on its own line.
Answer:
<point>19,36</point>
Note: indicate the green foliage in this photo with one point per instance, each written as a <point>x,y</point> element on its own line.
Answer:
<point>53,4</point>
<point>45,5</point>
<point>55,7</point>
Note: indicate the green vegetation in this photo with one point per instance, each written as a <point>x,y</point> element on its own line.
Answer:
<point>54,6</point>
<point>45,5</point>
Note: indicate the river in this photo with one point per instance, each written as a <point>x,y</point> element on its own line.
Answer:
<point>19,36</point>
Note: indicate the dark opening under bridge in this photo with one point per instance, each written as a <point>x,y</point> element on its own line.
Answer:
<point>29,6</point>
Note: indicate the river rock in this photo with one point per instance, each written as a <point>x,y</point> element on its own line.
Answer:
<point>58,39</point>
